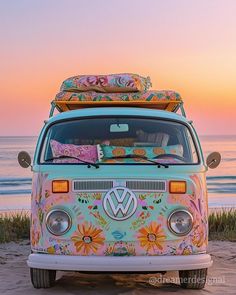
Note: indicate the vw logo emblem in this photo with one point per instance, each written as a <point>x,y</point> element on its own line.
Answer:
<point>120,203</point>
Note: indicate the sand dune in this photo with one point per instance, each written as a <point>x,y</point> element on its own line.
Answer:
<point>14,276</point>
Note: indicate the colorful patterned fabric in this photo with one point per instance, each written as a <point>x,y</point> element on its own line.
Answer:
<point>150,95</point>
<point>169,160</point>
<point>87,153</point>
<point>149,152</point>
<point>106,83</point>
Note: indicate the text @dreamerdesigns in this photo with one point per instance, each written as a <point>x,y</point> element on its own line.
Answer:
<point>155,280</point>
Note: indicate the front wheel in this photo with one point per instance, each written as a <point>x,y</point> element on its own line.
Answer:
<point>193,279</point>
<point>42,278</point>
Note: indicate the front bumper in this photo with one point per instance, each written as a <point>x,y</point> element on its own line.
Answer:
<point>119,264</point>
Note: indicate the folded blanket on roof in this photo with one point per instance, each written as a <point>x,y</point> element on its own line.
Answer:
<point>150,95</point>
<point>106,83</point>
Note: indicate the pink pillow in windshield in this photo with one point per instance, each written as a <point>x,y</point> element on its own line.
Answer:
<point>84,152</point>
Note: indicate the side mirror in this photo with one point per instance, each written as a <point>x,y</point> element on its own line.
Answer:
<point>213,160</point>
<point>24,159</point>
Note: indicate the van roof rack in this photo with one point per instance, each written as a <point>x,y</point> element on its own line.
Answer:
<point>162,100</point>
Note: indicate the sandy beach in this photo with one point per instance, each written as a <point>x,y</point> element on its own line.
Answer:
<point>14,276</point>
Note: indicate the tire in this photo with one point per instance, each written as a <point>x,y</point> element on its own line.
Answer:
<point>42,278</point>
<point>193,279</point>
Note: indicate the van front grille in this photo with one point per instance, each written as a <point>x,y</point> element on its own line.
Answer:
<point>147,185</point>
<point>92,185</point>
<point>105,185</point>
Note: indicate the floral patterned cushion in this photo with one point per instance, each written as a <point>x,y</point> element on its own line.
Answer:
<point>149,152</point>
<point>87,153</point>
<point>106,83</point>
<point>167,161</point>
<point>149,96</point>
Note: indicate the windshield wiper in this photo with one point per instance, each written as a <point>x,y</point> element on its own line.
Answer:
<point>133,156</point>
<point>71,157</point>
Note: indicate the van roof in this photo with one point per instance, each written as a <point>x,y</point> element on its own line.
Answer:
<point>114,111</point>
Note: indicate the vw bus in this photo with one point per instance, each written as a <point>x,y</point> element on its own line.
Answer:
<point>119,187</point>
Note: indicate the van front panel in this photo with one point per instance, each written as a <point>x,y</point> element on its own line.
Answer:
<point>122,213</point>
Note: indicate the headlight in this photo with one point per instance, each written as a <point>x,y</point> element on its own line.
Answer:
<point>58,222</point>
<point>180,222</point>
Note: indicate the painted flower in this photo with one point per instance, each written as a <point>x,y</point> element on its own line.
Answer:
<point>158,151</point>
<point>140,152</point>
<point>88,239</point>
<point>187,251</point>
<point>118,152</point>
<point>151,237</point>
<point>103,81</point>
<point>51,250</point>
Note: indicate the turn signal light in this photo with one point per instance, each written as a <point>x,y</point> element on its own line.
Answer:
<point>177,187</point>
<point>60,186</point>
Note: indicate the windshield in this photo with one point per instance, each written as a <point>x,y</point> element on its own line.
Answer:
<point>118,140</point>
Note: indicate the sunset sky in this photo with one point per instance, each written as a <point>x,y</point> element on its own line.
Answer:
<point>187,46</point>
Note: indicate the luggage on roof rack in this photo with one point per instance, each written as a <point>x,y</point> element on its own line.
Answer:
<point>107,83</point>
<point>162,100</point>
<point>78,92</point>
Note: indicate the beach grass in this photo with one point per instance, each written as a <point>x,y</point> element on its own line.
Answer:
<point>16,226</point>
<point>222,225</point>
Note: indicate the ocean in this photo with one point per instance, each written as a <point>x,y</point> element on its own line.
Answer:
<point>15,182</point>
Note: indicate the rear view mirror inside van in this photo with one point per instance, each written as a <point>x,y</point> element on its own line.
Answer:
<point>119,128</point>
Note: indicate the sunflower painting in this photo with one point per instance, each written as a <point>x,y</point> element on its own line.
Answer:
<point>88,239</point>
<point>152,238</point>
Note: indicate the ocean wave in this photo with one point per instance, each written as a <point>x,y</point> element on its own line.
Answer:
<point>15,186</point>
<point>222,191</point>
<point>15,179</point>
<point>214,205</point>
<point>230,177</point>
<point>15,192</point>
<point>229,160</point>
<point>221,183</point>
